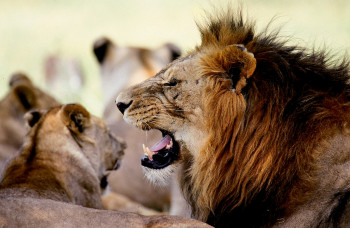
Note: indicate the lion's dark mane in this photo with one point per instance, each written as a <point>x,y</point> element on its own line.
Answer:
<point>304,95</point>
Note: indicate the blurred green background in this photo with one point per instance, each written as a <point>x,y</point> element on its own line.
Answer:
<point>31,30</point>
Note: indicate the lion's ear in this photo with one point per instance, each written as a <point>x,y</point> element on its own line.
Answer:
<point>101,47</point>
<point>238,63</point>
<point>168,51</point>
<point>32,117</point>
<point>23,92</point>
<point>25,96</point>
<point>75,117</point>
<point>19,79</point>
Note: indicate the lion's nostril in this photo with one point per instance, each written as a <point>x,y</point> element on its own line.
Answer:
<point>123,106</point>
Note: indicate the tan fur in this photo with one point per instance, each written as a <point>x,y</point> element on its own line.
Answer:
<point>63,158</point>
<point>120,68</point>
<point>43,213</point>
<point>119,202</point>
<point>22,97</point>
<point>255,120</point>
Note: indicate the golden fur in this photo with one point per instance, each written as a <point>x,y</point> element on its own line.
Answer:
<point>42,213</point>
<point>22,97</point>
<point>255,119</point>
<point>63,157</point>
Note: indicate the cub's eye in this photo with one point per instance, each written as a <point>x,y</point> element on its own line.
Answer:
<point>173,82</point>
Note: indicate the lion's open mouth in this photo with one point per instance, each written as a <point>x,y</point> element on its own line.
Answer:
<point>162,154</point>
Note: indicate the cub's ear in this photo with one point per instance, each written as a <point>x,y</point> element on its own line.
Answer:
<point>236,62</point>
<point>75,117</point>
<point>32,117</point>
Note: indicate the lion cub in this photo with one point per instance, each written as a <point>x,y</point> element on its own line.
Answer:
<point>64,157</point>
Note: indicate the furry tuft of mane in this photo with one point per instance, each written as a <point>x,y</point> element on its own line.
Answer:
<point>259,160</point>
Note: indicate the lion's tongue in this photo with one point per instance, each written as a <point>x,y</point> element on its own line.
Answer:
<point>161,144</point>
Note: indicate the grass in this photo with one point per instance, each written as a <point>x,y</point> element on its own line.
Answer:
<point>33,29</point>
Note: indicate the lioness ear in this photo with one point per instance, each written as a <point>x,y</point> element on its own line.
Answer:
<point>175,51</point>
<point>238,63</point>
<point>168,52</point>
<point>22,91</point>
<point>75,117</point>
<point>101,47</point>
<point>25,96</point>
<point>32,117</point>
<point>19,78</point>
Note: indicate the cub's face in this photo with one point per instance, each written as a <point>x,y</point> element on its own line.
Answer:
<point>171,102</point>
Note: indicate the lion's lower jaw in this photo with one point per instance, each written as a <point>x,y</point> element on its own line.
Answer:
<point>160,177</point>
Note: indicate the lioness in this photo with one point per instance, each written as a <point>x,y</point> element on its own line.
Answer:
<point>261,128</point>
<point>64,157</point>
<point>59,169</point>
<point>22,97</point>
<point>120,68</point>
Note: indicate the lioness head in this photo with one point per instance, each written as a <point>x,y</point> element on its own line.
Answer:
<point>124,66</point>
<point>70,130</point>
<point>177,102</point>
<point>22,97</point>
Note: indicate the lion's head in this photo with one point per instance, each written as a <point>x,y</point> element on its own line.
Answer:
<point>22,97</point>
<point>125,66</point>
<point>65,156</point>
<point>244,115</point>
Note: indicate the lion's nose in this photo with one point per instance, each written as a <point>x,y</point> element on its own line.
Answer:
<point>123,106</point>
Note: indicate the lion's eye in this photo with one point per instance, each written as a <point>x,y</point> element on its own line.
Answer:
<point>173,82</point>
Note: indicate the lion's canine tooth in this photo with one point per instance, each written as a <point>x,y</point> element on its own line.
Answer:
<point>169,145</point>
<point>147,152</point>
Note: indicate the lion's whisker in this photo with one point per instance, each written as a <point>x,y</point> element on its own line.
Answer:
<point>155,123</point>
<point>178,110</point>
<point>164,116</point>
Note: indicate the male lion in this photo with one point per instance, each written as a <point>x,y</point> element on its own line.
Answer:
<point>56,175</point>
<point>260,128</point>
<point>22,97</point>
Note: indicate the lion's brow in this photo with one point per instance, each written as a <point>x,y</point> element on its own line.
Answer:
<point>162,71</point>
<point>174,62</point>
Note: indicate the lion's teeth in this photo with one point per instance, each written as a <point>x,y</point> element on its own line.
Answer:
<point>147,152</point>
<point>169,145</point>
